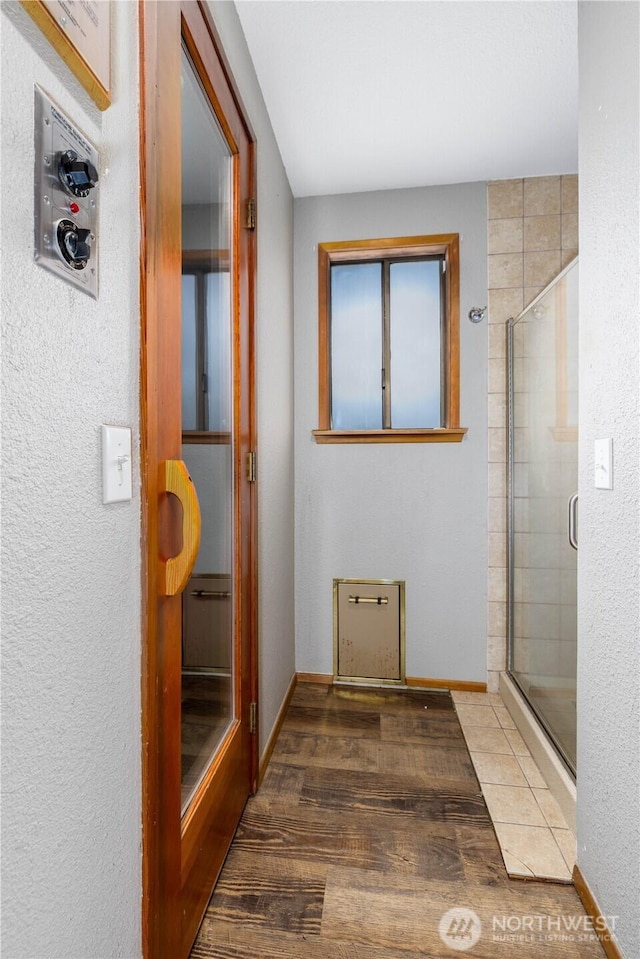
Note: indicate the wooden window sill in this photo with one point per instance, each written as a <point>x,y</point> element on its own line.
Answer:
<point>447,435</point>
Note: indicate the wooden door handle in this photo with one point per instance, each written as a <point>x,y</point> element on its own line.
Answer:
<point>175,572</point>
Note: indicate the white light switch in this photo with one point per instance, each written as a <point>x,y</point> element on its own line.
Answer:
<point>603,464</point>
<point>116,464</point>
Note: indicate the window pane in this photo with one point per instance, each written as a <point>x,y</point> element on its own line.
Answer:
<point>189,354</point>
<point>415,344</point>
<point>356,346</point>
<point>218,364</point>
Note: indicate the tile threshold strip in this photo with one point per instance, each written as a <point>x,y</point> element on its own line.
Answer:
<point>533,835</point>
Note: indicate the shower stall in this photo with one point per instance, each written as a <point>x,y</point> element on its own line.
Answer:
<point>543,507</point>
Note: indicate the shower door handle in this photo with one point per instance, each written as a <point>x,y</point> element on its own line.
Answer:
<point>573,521</point>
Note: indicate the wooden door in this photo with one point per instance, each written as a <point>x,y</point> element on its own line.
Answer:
<point>198,438</point>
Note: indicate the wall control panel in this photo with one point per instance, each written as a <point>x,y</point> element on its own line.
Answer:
<point>66,197</point>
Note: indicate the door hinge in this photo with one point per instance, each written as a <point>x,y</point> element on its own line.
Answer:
<point>251,466</point>
<point>253,717</point>
<point>251,214</point>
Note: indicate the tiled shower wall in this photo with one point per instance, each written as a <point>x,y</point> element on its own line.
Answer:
<point>532,233</point>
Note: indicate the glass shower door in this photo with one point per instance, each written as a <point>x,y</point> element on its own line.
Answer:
<point>543,480</point>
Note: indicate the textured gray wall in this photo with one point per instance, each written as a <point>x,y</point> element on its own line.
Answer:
<point>416,512</point>
<point>609,555</point>
<point>70,566</point>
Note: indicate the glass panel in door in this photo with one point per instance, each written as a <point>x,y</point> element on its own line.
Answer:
<point>544,479</point>
<point>207,431</point>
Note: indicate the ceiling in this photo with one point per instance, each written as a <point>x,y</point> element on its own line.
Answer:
<point>384,94</point>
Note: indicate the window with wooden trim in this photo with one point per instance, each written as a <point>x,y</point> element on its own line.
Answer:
<point>389,340</point>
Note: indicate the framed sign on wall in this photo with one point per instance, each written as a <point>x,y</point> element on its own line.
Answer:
<point>80,30</point>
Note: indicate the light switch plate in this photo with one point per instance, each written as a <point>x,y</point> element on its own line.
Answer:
<point>116,464</point>
<point>603,464</point>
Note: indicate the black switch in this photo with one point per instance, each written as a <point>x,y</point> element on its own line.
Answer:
<point>78,246</point>
<point>78,177</point>
<point>73,244</point>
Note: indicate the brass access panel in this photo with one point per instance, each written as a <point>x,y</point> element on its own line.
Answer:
<point>369,631</point>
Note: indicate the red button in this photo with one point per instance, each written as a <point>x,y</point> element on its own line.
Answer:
<point>74,207</point>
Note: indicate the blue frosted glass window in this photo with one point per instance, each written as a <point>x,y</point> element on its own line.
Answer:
<point>386,344</point>
<point>189,354</point>
<point>415,320</point>
<point>389,340</point>
<point>218,348</point>
<point>356,346</point>
<point>207,365</point>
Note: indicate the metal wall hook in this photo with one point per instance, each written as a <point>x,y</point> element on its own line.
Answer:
<point>477,313</point>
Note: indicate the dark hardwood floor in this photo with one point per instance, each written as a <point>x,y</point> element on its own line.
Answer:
<point>369,826</point>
